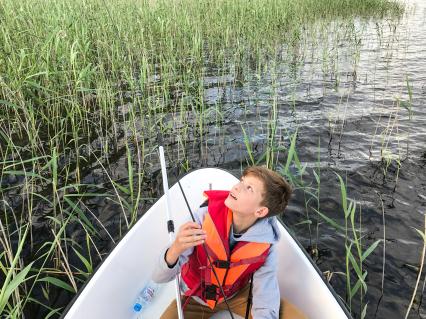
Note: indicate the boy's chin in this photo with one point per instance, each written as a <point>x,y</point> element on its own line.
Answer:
<point>228,203</point>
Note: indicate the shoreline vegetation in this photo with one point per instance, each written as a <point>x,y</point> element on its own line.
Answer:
<point>86,85</point>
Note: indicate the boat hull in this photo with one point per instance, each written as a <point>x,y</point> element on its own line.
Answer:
<point>111,291</point>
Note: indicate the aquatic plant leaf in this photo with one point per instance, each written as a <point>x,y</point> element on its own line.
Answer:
<point>54,167</point>
<point>351,210</point>
<point>348,274</point>
<point>57,282</point>
<point>343,195</point>
<point>248,146</point>
<point>308,221</point>
<point>24,173</point>
<point>329,220</point>
<point>42,197</point>
<point>422,234</point>
<point>129,169</point>
<point>12,285</point>
<point>313,195</point>
<point>317,178</point>
<point>261,158</point>
<point>364,311</point>
<point>81,214</point>
<point>355,265</point>
<point>84,261</point>
<point>14,163</point>
<point>87,195</point>
<point>53,312</point>
<point>297,160</point>
<point>291,151</point>
<point>9,104</point>
<point>36,75</point>
<point>360,281</point>
<point>45,293</point>
<point>370,250</point>
<point>3,268</point>
<point>6,288</point>
<point>122,188</point>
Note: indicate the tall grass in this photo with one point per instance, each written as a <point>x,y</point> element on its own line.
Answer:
<point>356,252</point>
<point>420,271</point>
<point>84,86</point>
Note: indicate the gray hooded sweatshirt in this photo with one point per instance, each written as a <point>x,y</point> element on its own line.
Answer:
<point>266,294</point>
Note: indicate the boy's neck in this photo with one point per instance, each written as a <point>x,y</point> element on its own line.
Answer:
<point>242,224</point>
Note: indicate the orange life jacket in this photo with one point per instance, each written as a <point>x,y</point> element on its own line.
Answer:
<point>233,267</point>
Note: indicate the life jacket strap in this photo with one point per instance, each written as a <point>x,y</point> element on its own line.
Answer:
<point>207,277</point>
<point>246,261</point>
<point>212,292</point>
<point>225,264</point>
<point>209,290</point>
<point>191,292</point>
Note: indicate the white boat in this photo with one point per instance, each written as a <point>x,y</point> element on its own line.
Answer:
<point>112,290</point>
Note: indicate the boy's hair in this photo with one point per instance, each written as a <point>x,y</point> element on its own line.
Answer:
<point>277,189</point>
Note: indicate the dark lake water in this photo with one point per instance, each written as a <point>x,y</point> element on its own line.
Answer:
<point>358,99</point>
<point>356,94</point>
<point>359,104</point>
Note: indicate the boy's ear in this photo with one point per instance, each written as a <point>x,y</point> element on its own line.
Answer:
<point>261,212</point>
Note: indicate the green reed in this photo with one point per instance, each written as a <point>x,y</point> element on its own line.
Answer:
<point>356,251</point>
<point>79,85</point>
<point>420,270</point>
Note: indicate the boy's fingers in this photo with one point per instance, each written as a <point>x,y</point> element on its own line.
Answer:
<point>190,232</point>
<point>195,243</point>
<point>197,232</point>
<point>190,225</point>
<point>193,238</point>
<point>199,242</point>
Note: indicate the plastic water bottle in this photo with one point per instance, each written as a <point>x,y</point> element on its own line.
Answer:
<point>145,297</point>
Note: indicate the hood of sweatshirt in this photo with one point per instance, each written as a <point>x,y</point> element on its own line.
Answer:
<point>263,231</point>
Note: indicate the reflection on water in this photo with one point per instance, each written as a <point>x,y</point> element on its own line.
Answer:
<point>357,94</point>
<point>355,90</point>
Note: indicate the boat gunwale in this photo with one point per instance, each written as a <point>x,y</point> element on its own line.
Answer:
<point>319,272</point>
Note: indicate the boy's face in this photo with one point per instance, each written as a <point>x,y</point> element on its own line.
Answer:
<point>245,198</point>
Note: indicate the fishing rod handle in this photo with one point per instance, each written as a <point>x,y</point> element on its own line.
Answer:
<point>165,182</point>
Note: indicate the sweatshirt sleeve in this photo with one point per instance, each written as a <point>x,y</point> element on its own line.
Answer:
<point>163,273</point>
<point>266,292</point>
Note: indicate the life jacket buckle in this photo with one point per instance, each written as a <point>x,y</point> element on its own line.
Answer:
<point>221,264</point>
<point>210,292</point>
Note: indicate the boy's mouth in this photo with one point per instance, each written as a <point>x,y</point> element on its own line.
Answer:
<point>232,196</point>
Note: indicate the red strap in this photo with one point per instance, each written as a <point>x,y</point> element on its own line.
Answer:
<point>192,291</point>
<point>251,260</point>
<point>186,302</point>
<point>189,293</point>
<point>207,276</point>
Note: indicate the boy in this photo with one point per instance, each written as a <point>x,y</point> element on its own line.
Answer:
<point>239,229</point>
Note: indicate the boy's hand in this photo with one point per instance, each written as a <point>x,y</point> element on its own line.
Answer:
<point>189,235</point>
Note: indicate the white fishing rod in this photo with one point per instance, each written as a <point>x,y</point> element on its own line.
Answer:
<point>170,224</point>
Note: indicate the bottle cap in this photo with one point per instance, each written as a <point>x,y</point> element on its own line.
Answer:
<point>137,307</point>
